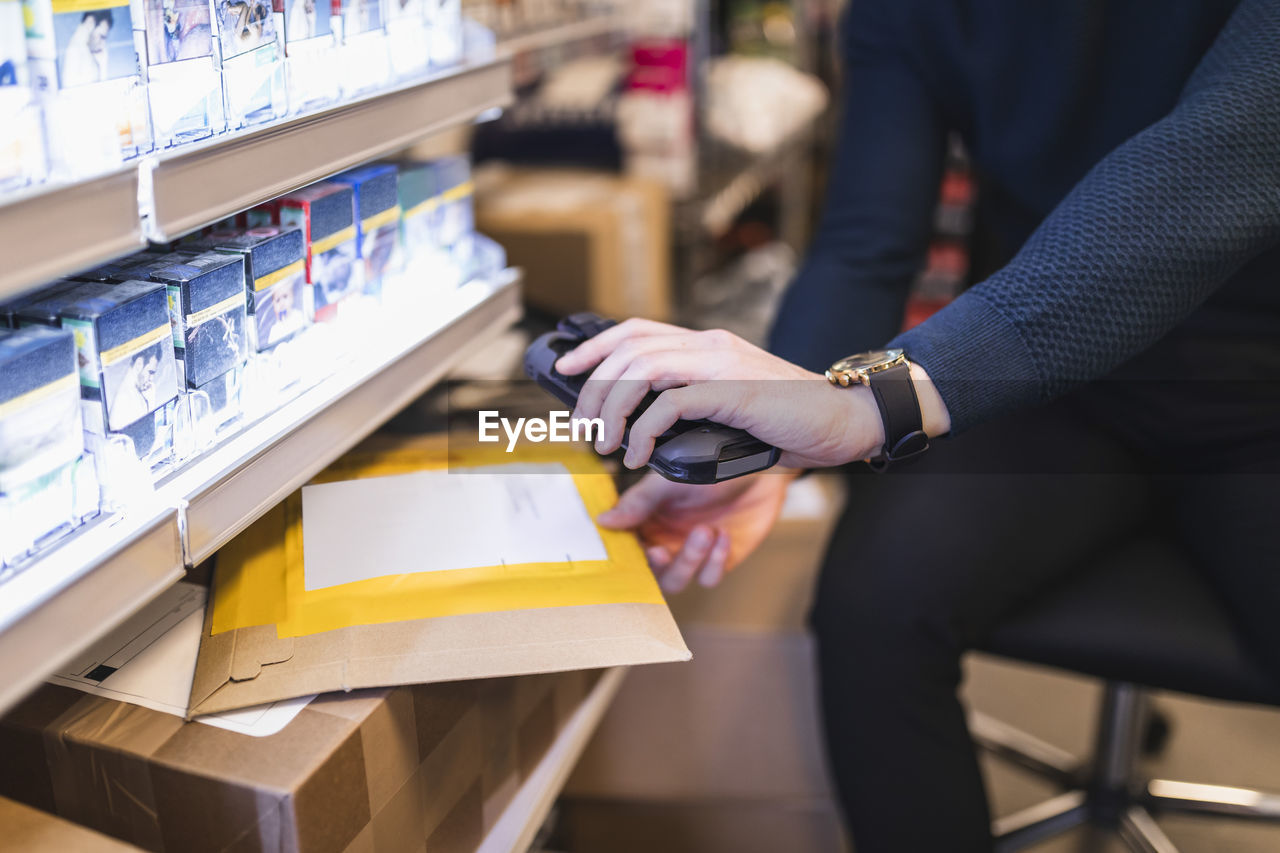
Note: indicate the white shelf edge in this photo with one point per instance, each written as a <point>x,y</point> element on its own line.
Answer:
<point>86,586</point>
<point>523,816</point>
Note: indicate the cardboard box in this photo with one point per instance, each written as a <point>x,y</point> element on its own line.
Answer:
<point>402,769</point>
<point>28,830</point>
<point>586,240</point>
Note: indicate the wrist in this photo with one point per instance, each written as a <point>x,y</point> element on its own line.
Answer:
<point>934,418</point>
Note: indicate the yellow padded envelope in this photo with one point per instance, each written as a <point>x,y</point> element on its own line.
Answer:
<point>267,637</point>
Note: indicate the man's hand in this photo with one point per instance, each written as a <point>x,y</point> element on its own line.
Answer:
<point>717,376</point>
<point>720,377</point>
<point>700,531</point>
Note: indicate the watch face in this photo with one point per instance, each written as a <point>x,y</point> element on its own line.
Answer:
<point>862,360</point>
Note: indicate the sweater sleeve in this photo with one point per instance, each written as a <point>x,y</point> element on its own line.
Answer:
<point>1153,229</point>
<point>849,294</point>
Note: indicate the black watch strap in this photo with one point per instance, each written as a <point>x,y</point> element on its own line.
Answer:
<point>904,435</point>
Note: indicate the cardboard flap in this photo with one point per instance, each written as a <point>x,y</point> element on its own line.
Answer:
<point>256,648</point>
<point>234,656</point>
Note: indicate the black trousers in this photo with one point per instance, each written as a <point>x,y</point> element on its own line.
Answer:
<point>927,559</point>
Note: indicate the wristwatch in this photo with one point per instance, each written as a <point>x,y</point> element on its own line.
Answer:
<point>888,375</point>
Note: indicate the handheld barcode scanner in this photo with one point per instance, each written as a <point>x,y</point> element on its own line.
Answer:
<point>689,452</point>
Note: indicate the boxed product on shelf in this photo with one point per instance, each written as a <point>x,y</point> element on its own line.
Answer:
<point>325,213</point>
<point>206,298</point>
<point>253,77</point>
<point>11,310</point>
<point>22,159</point>
<point>184,88</point>
<point>408,37</point>
<point>84,64</point>
<point>39,404</point>
<point>417,191</point>
<point>444,20</point>
<point>41,439</point>
<point>364,59</point>
<point>128,371</point>
<point>310,47</point>
<point>455,211</point>
<point>46,508</point>
<point>377,218</point>
<point>278,298</point>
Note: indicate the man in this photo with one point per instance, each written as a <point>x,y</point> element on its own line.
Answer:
<point>1116,366</point>
<point>85,58</point>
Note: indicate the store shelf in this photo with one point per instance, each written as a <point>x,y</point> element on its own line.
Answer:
<point>97,577</point>
<point>85,587</point>
<point>227,489</point>
<point>58,230</point>
<point>51,231</point>
<point>519,823</point>
<point>202,184</point>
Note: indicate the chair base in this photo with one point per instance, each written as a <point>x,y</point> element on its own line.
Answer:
<point>1108,792</point>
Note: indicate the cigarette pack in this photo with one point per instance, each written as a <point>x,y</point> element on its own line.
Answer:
<point>311,51</point>
<point>444,20</point>
<point>175,40</point>
<point>279,300</point>
<point>418,203</point>
<point>10,311</point>
<point>83,62</point>
<point>252,71</point>
<point>39,405</point>
<point>419,199</point>
<point>364,61</point>
<point>22,157</point>
<point>128,371</point>
<point>455,212</point>
<point>325,212</point>
<point>377,218</point>
<point>408,37</point>
<point>206,300</point>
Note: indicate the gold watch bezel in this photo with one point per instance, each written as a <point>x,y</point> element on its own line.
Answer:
<point>861,366</point>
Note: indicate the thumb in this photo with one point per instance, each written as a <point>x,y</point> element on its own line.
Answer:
<point>636,504</point>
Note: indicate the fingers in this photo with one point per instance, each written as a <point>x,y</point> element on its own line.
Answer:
<point>691,558</point>
<point>592,351</point>
<point>717,561</point>
<point>630,353</point>
<point>636,504</point>
<point>690,402</point>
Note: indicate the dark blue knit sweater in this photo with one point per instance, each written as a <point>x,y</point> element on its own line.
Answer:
<point>1128,155</point>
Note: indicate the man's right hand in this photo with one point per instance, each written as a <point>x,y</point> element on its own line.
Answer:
<point>690,530</point>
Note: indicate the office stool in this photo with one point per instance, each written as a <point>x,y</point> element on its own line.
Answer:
<point>1143,618</point>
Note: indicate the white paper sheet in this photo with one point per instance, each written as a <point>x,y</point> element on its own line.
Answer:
<point>151,659</point>
<point>431,521</point>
